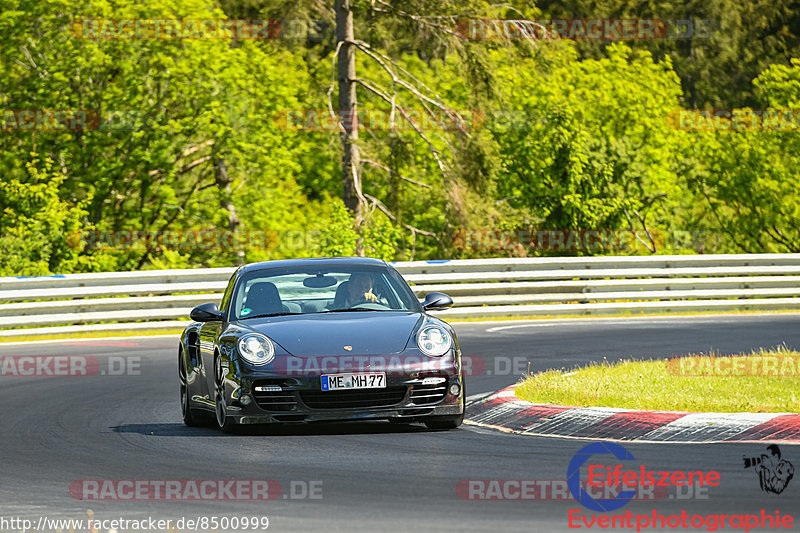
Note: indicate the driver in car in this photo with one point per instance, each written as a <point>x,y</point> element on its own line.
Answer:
<point>359,290</point>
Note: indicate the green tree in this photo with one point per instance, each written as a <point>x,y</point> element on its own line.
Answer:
<point>717,48</point>
<point>588,146</point>
<point>37,227</point>
<point>185,126</point>
<point>746,179</point>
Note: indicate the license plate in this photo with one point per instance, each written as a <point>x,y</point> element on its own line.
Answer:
<point>371,380</point>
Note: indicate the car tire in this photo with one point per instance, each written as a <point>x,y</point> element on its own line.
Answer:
<point>449,422</point>
<point>225,423</point>
<point>190,416</point>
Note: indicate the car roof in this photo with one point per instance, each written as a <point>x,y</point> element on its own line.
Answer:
<point>313,262</point>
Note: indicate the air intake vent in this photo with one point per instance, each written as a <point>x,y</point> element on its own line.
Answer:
<point>271,396</point>
<point>354,399</point>
<point>428,393</point>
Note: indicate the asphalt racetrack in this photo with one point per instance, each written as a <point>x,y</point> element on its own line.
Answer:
<point>58,431</point>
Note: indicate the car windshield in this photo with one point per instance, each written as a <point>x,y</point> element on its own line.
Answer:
<point>304,290</point>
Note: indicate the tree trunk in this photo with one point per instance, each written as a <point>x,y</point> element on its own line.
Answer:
<point>348,115</point>
<point>223,183</point>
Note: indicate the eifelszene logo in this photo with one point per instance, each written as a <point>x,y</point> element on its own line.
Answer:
<point>774,473</point>
<point>599,475</point>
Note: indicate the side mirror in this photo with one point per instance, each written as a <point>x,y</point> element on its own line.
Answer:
<point>436,301</point>
<point>206,313</point>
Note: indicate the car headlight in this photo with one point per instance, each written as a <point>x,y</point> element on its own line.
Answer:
<point>256,349</point>
<point>434,340</point>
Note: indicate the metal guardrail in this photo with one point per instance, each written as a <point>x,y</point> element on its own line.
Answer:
<point>159,299</point>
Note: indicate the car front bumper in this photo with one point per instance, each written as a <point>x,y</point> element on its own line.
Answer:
<point>259,397</point>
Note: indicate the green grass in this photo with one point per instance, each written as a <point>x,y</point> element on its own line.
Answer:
<point>663,385</point>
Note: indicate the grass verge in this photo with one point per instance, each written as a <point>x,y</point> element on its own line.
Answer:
<point>765,381</point>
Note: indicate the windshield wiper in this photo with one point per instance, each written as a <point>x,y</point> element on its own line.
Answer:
<point>350,309</point>
<point>269,315</point>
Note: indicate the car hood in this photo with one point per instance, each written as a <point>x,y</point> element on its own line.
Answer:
<point>326,334</point>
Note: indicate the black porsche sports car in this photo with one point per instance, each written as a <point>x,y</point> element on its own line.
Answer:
<point>308,340</point>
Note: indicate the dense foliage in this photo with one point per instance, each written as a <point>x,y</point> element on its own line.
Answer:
<point>122,153</point>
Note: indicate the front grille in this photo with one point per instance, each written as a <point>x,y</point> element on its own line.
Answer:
<point>282,400</point>
<point>353,399</point>
<point>428,394</point>
<point>275,401</point>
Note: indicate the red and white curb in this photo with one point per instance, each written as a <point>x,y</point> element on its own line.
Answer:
<point>503,411</point>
